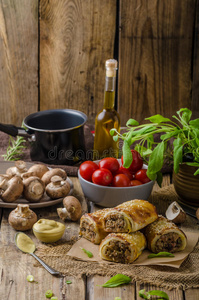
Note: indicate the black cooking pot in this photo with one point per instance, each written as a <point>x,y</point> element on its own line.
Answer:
<point>56,136</point>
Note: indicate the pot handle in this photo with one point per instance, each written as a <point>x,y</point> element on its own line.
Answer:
<point>13,130</point>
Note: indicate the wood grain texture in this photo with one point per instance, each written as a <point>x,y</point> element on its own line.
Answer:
<point>95,292</point>
<point>76,37</point>
<point>195,63</point>
<point>19,59</point>
<point>155,61</point>
<point>15,265</point>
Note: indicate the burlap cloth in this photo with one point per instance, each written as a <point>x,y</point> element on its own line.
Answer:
<point>187,276</point>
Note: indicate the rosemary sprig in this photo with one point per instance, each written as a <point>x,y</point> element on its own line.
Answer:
<point>15,149</point>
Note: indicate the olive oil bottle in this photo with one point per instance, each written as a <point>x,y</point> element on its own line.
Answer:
<point>107,118</point>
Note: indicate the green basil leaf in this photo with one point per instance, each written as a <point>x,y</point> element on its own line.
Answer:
<point>194,123</point>
<point>196,173</point>
<point>147,295</point>
<point>159,178</point>
<point>68,282</point>
<point>116,281</point>
<point>151,176</point>
<point>146,152</point>
<point>156,159</point>
<point>159,294</point>
<point>115,138</point>
<point>132,122</point>
<point>158,119</point>
<point>193,164</point>
<point>186,114</point>
<point>127,155</point>
<point>113,131</point>
<point>169,135</point>
<point>150,142</point>
<point>144,130</point>
<point>143,294</point>
<point>177,153</point>
<point>161,254</point>
<point>90,254</point>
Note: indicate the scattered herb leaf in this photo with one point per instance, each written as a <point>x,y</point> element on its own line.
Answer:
<point>49,293</point>
<point>161,254</point>
<point>116,281</point>
<point>30,278</point>
<point>90,254</point>
<point>118,298</point>
<point>147,295</point>
<point>68,281</point>
<point>54,298</point>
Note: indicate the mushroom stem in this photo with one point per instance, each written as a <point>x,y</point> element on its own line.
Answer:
<point>72,209</point>
<point>62,213</point>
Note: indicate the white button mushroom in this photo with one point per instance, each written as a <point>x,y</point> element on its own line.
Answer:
<point>46,178</point>
<point>22,217</point>
<point>11,190</point>
<point>34,189</point>
<point>57,188</point>
<point>18,169</point>
<point>38,170</point>
<point>72,209</point>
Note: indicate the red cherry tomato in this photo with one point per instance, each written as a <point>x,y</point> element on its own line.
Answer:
<point>87,168</point>
<point>102,177</point>
<point>126,172</point>
<point>109,163</point>
<point>141,176</point>
<point>135,182</point>
<point>137,162</point>
<point>121,180</point>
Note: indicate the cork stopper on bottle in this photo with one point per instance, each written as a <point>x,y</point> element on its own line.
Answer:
<point>111,67</point>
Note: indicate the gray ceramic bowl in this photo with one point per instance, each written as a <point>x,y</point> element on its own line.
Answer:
<point>112,196</point>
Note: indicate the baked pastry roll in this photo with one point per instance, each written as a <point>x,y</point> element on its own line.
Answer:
<point>122,247</point>
<point>92,227</point>
<point>164,235</point>
<point>130,216</point>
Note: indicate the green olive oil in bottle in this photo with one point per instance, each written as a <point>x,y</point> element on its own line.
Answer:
<point>107,118</point>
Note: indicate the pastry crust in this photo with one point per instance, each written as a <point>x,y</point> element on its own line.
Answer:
<point>129,216</point>
<point>91,226</point>
<point>122,247</point>
<point>164,235</point>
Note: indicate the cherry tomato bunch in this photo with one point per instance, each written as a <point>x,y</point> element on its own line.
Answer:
<point>109,172</point>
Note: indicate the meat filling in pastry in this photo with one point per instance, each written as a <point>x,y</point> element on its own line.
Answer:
<point>129,216</point>
<point>122,247</point>
<point>163,235</point>
<point>91,226</point>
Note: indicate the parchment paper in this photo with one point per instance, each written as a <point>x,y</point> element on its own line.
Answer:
<point>143,260</point>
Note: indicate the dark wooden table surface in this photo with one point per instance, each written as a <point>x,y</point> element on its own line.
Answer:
<point>15,266</point>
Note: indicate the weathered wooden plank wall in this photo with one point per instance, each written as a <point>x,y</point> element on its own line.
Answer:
<point>75,39</point>
<point>57,60</point>
<point>156,58</point>
<point>18,59</point>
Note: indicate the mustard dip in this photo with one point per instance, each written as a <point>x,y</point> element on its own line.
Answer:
<point>24,243</point>
<point>48,231</point>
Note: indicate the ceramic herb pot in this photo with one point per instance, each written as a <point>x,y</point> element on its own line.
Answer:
<point>186,184</point>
